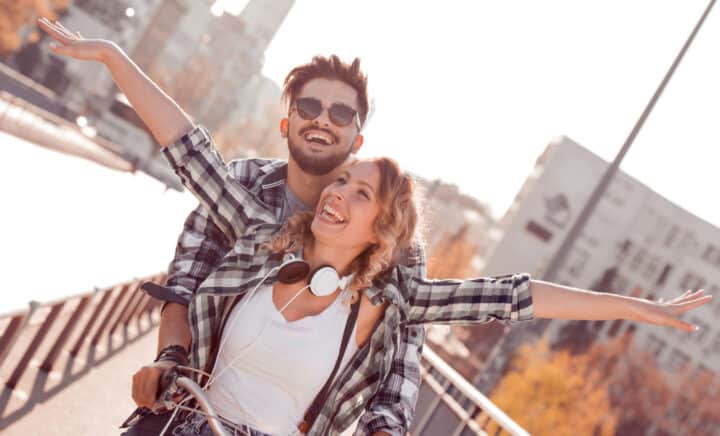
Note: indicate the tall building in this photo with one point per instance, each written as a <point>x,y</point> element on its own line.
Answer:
<point>636,243</point>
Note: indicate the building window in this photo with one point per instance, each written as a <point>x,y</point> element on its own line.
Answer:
<point>654,345</point>
<point>712,255</point>
<point>652,267</point>
<point>672,234</point>
<point>677,361</point>
<point>689,243</point>
<point>664,275</point>
<point>579,260</point>
<point>625,248</point>
<point>638,259</point>
<point>691,281</point>
<point>538,231</point>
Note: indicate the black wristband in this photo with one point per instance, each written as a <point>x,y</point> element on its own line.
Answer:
<point>174,353</point>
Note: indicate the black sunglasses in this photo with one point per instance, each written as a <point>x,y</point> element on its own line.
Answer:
<point>340,114</point>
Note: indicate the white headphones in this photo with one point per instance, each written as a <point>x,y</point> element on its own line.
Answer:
<point>323,281</point>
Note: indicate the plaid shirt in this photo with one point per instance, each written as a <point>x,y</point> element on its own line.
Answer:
<point>383,376</point>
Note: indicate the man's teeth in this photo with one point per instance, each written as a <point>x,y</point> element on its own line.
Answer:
<point>333,213</point>
<point>318,137</point>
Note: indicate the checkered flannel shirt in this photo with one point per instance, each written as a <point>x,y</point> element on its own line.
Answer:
<point>380,383</point>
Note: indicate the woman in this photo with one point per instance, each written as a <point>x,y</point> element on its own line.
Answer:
<point>364,220</point>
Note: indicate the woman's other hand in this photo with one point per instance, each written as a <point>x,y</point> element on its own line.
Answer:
<point>667,313</point>
<point>74,45</point>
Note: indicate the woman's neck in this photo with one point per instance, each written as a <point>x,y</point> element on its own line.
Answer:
<point>318,254</point>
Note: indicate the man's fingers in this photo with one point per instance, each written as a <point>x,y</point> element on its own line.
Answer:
<point>53,32</point>
<point>144,387</point>
<point>57,29</point>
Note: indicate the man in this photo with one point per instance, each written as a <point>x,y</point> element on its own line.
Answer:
<point>327,106</point>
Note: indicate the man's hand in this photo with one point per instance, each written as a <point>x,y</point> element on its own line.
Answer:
<point>145,382</point>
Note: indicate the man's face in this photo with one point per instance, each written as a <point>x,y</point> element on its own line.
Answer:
<point>319,145</point>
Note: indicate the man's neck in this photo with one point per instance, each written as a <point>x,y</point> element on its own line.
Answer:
<point>307,187</point>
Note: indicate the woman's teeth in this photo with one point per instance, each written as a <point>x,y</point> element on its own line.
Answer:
<point>332,214</point>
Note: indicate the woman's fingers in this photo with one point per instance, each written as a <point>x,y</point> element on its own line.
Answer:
<point>690,304</point>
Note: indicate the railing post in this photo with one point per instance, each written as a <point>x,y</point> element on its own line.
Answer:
<point>89,325</point>
<point>64,335</point>
<point>137,310</point>
<point>12,332</point>
<point>39,336</point>
<point>111,312</point>
<point>133,291</point>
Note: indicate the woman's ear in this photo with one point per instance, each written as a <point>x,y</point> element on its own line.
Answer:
<point>358,143</point>
<point>284,127</point>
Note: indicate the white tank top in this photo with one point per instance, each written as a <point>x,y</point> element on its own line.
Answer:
<point>274,381</point>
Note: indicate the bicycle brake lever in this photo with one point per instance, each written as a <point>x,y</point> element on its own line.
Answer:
<point>167,391</point>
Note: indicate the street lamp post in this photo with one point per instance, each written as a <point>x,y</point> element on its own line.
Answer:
<point>519,334</point>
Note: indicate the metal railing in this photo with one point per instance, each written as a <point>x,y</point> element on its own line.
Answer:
<point>450,405</point>
<point>37,339</point>
<point>39,126</point>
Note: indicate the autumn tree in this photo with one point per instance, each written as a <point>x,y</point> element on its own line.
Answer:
<point>554,394</point>
<point>452,256</point>
<point>16,14</point>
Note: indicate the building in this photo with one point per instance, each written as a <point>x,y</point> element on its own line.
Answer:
<point>636,243</point>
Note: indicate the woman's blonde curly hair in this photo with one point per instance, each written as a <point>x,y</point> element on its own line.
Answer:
<point>394,227</point>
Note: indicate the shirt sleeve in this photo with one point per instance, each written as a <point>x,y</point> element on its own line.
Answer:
<point>199,250</point>
<point>393,407</point>
<point>196,160</point>
<point>504,298</point>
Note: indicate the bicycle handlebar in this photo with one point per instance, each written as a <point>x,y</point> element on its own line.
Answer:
<point>172,381</point>
<point>193,389</point>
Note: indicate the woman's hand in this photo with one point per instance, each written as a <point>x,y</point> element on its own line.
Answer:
<point>74,45</point>
<point>666,313</point>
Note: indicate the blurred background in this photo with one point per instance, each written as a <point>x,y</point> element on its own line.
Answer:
<point>508,113</point>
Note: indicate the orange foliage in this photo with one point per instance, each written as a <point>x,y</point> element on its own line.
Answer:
<point>452,257</point>
<point>554,394</point>
<point>16,14</point>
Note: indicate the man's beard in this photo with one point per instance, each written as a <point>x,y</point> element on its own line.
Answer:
<point>315,165</point>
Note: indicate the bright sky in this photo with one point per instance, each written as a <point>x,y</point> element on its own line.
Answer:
<point>473,91</point>
<point>468,94</point>
<point>70,224</point>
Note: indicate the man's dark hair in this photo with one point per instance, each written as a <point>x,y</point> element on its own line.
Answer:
<point>332,68</point>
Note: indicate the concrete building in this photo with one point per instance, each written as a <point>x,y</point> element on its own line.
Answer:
<point>637,243</point>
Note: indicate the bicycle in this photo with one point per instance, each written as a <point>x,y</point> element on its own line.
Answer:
<point>174,382</point>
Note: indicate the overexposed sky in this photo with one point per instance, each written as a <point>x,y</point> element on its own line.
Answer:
<point>472,91</point>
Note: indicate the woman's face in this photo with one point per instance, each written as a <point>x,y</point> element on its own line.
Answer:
<point>347,209</point>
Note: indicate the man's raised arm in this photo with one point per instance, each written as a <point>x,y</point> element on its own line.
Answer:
<point>165,119</point>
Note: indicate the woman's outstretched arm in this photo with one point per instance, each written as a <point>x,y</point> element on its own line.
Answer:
<point>165,119</point>
<point>562,302</point>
